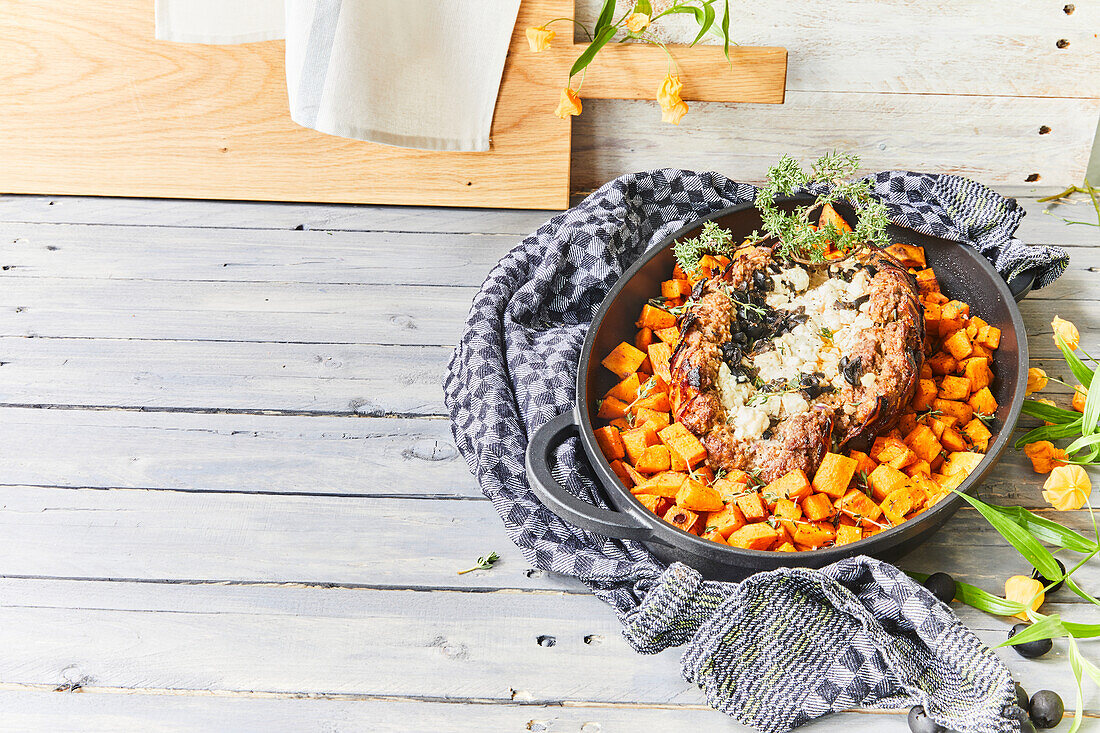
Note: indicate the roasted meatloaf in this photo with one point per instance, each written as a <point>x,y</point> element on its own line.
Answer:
<point>780,362</point>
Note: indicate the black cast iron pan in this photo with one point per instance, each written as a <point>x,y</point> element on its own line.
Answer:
<point>962,272</point>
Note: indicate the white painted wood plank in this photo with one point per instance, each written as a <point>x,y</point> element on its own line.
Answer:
<point>349,379</point>
<point>347,541</point>
<point>899,46</point>
<point>994,140</point>
<point>190,213</point>
<point>240,453</point>
<point>293,313</point>
<point>109,712</point>
<point>352,642</point>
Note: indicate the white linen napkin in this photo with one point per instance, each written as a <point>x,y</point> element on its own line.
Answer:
<point>219,21</point>
<point>412,73</point>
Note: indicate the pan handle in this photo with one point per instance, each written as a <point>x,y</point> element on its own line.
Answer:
<point>559,500</point>
<point>1022,284</point>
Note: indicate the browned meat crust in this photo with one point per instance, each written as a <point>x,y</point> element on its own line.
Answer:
<point>892,349</point>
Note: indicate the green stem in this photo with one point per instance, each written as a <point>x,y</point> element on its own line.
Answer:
<point>574,20</point>
<point>1055,197</point>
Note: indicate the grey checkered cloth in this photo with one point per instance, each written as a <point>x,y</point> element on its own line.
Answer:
<point>779,648</point>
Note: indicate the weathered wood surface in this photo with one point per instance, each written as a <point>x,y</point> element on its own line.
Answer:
<point>229,496</point>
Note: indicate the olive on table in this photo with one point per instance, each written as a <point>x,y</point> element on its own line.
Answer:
<point>919,722</point>
<point>1022,698</point>
<point>942,586</point>
<point>1045,581</point>
<point>1046,709</point>
<point>1030,649</point>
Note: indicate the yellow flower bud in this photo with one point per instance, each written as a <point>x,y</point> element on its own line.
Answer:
<point>1067,488</point>
<point>539,38</point>
<point>673,108</point>
<point>1080,394</point>
<point>1036,379</point>
<point>1044,456</point>
<point>637,22</point>
<point>1025,590</point>
<point>570,104</point>
<point>675,113</point>
<point>1067,331</point>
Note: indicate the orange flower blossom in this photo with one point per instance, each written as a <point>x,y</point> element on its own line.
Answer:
<point>539,38</point>
<point>570,104</point>
<point>637,22</point>
<point>1036,379</point>
<point>1067,331</point>
<point>1067,488</point>
<point>1044,456</point>
<point>1025,590</point>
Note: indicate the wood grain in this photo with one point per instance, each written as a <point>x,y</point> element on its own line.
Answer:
<point>95,106</point>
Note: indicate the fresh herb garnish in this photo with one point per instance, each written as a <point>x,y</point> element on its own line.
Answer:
<point>483,563</point>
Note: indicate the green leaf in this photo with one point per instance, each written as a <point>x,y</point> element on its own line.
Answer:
<point>1075,665</point>
<point>1056,415</point>
<point>1049,627</point>
<point>1046,530</point>
<point>1092,405</point>
<point>1081,631</point>
<point>1049,432</point>
<point>1032,550</point>
<point>706,23</point>
<point>1072,585</point>
<point>1078,367</point>
<point>643,6</point>
<point>1083,442</point>
<point>593,48</point>
<point>725,25</point>
<point>603,21</point>
<point>982,600</point>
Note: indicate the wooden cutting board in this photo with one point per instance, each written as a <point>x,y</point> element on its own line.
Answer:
<point>94,105</point>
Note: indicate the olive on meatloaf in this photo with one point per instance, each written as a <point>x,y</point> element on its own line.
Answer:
<point>780,362</point>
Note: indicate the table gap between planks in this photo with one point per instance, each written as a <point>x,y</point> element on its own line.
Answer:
<point>230,498</point>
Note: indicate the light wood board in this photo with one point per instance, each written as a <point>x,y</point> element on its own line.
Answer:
<point>94,105</point>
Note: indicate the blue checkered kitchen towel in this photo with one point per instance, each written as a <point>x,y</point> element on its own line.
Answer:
<point>781,647</point>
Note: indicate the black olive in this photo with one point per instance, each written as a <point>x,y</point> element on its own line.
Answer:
<point>731,354</point>
<point>919,722</point>
<point>871,270</point>
<point>767,434</point>
<point>695,378</point>
<point>852,369</point>
<point>844,305</point>
<point>760,280</point>
<point>1021,698</point>
<point>1046,709</point>
<point>1030,649</point>
<point>1057,586</point>
<point>942,586</point>
<point>860,300</point>
<point>772,267</point>
<point>740,338</point>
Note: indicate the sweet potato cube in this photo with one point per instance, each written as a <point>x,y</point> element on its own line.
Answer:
<point>834,474</point>
<point>961,462</point>
<point>950,482</point>
<point>624,360</point>
<point>709,533</point>
<point>690,449</point>
<point>636,441</point>
<point>846,535</point>
<point>646,417</point>
<point>953,440</point>
<point>611,408</point>
<point>954,388</point>
<point>643,339</point>
<point>932,316</point>
<point>659,355</point>
<point>620,470</point>
<point>908,255</point>
<point>683,518</point>
<point>961,411</point>
<point>978,372</point>
<point>727,520</point>
<point>814,535</point>
<point>907,422</point>
<point>864,463</point>
<point>699,497</point>
<point>666,484</point>
<point>655,318</point>
<point>958,345</point>
<point>983,402</point>
<point>752,506</point>
<point>926,280</point>
<point>610,443</point>
<point>670,336</point>
<point>626,390</point>
<point>973,326</point>
<point>920,468</point>
<point>885,479</point>
<point>830,216</point>
<point>787,509</point>
<point>941,363</point>
<point>757,536</point>
<point>791,485</point>
<point>897,504</point>
<point>653,503</point>
<point>728,488</point>
<point>816,507</point>
<point>858,506</point>
<point>657,401</point>
<point>675,288</point>
<point>955,309</point>
<point>786,547</point>
<point>978,434</point>
<point>925,392</point>
<point>991,337</point>
<point>654,459</point>
<point>923,441</point>
<point>636,478</point>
